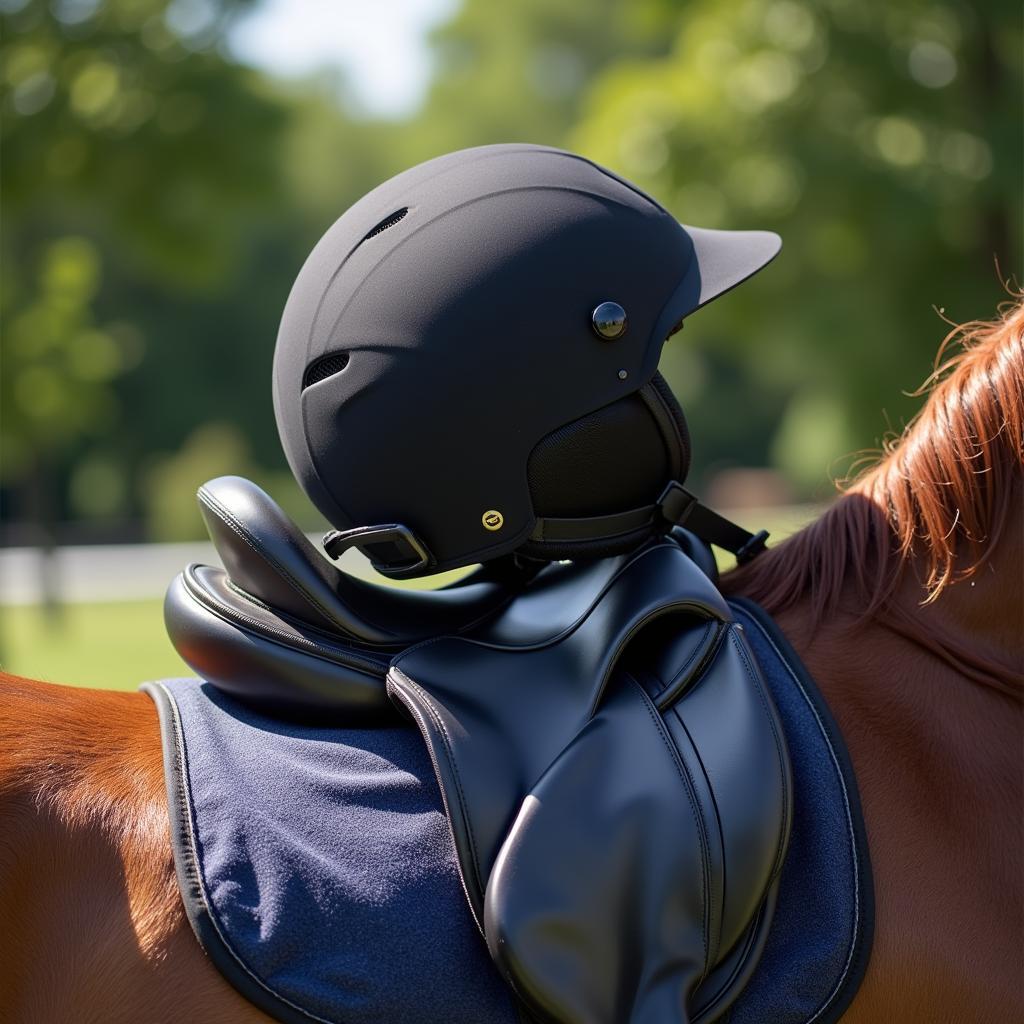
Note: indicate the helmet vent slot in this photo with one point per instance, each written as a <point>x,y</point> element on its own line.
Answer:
<point>324,367</point>
<point>388,222</point>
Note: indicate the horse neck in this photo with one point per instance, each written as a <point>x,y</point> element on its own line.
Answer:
<point>927,541</point>
<point>839,591</point>
<point>975,623</point>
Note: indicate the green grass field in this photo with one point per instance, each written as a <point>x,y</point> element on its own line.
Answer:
<point>121,644</point>
<point>115,645</point>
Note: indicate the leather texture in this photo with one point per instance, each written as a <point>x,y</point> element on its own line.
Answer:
<point>640,762</point>
<point>267,556</point>
<point>606,749</point>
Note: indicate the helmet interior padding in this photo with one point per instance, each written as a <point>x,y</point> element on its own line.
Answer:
<point>612,460</point>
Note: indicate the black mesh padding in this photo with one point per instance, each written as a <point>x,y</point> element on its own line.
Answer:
<point>324,367</point>
<point>609,461</point>
<point>388,222</point>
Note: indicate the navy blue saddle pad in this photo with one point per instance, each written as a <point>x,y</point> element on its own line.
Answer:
<point>318,872</point>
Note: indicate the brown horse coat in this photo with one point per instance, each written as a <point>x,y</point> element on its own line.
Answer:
<point>928,696</point>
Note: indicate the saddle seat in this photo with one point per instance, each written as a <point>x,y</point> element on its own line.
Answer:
<point>606,750</point>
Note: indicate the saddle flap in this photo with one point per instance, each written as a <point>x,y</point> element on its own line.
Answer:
<point>606,919</point>
<point>495,713</point>
<point>625,914</point>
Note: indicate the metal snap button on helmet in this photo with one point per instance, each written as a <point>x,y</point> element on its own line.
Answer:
<point>609,321</point>
<point>416,391</point>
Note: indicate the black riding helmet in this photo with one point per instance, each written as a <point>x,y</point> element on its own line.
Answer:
<point>467,363</point>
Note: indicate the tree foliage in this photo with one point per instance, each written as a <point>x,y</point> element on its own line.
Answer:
<point>158,200</point>
<point>883,142</point>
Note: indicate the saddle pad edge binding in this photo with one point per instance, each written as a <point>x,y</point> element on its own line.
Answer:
<point>832,1008</point>
<point>201,916</point>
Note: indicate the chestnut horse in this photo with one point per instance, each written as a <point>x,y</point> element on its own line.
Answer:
<point>905,602</point>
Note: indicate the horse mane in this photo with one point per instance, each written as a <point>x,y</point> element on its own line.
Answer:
<point>937,495</point>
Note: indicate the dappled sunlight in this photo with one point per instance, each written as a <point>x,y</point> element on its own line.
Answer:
<point>168,164</point>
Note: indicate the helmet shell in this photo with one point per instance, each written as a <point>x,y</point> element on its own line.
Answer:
<point>443,326</point>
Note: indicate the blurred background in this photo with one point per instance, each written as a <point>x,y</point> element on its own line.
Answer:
<point>166,167</point>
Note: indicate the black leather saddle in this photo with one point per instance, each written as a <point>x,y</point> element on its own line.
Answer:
<point>613,770</point>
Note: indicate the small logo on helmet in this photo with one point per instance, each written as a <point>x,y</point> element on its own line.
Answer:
<point>492,519</point>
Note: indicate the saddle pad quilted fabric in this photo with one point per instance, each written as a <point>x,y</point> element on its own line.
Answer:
<point>318,872</point>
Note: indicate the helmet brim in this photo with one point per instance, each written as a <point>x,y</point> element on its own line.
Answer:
<point>724,259</point>
<point>721,260</point>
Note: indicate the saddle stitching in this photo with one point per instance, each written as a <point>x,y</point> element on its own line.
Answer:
<point>237,528</point>
<point>713,954</point>
<point>464,813</point>
<point>849,821</point>
<point>188,820</point>
<point>259,628</point>
<point>698,818</point>
<point>787,796</point>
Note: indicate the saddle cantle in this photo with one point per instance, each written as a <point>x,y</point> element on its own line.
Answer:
<point>606,750</point>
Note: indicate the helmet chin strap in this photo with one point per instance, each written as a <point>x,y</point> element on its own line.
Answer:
<point>676,507</point>
<point>394,538</point>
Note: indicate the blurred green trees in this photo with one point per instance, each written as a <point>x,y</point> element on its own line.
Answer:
<point>156,205</point>
<point>131,194</point>
<point>158,199</point>
<point>883,141</point>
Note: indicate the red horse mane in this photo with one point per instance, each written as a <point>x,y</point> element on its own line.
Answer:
<point>940,493</point>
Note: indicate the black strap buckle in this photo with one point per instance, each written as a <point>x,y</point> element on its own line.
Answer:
<point>337,542</point>
<point>754,546</point>
<point>679,507</point>
<point>676,503</point>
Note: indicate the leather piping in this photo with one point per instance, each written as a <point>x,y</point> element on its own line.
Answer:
<point>402,694</point>
<point>698,818</point>
<point>254,626</point>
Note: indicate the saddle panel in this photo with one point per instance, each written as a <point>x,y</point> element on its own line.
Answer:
<point>280,665</point>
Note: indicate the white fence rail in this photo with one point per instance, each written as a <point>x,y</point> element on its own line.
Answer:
<point>131,572</point>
